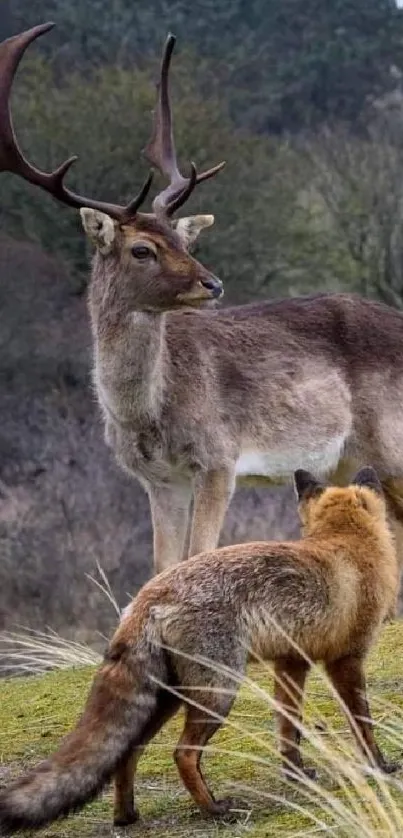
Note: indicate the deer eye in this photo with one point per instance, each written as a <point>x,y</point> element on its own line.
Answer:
<point>140,251</point>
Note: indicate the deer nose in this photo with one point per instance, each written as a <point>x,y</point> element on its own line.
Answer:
<point>213,284</point>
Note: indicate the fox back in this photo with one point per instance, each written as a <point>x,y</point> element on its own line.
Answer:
<point>326,592</point>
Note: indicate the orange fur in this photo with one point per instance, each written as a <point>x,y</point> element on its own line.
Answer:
<point>323,598</point>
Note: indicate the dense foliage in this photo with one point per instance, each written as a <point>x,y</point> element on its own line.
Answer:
<point>255,82</point>
<point>283,64</point>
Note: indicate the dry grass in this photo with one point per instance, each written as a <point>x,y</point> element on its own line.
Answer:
<point>29,652</point>
<point>347,801</point>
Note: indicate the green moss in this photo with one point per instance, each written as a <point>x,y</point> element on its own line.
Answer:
<point>36,712</point>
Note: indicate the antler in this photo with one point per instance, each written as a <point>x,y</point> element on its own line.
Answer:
<point>160,151</point>
<point>11,156</point>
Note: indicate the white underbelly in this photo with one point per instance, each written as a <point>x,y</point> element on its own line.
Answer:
<point>282,462</point>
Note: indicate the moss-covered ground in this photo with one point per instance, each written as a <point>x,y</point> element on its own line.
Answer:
<point>36,712</point>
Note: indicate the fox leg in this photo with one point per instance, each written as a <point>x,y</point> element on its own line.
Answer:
<point>290,675</point>
<point>125,812</point>
<point>200,725</point>
<point>348,678</point>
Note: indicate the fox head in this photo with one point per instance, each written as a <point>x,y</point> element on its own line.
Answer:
<point>356,504</point>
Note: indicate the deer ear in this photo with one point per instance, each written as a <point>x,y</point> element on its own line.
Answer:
<point>189,228</point>
<point>306,485</point>
<point>100,229</point>
<point>368,477</point>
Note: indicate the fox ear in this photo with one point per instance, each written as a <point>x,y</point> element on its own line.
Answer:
<point>368,477</point>
<point>306,486</point>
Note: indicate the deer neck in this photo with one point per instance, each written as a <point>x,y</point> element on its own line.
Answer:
<point>130,359</point>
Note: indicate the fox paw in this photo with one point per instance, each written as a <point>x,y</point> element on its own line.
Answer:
<point>296,774</point>
<point>220,808</point>
<point>390,767</point>
<point>126,818</point>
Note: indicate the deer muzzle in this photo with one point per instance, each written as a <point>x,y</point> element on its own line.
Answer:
<point>214,285</point>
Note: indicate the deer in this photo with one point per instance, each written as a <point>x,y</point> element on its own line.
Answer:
<point>197,398</point>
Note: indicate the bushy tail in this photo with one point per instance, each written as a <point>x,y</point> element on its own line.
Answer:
<point>122,700</point>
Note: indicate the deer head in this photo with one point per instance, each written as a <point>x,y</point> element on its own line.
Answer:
<point>145,253</point>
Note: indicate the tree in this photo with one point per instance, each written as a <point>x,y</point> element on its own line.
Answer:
<point>281,65</point>
<point>6,22</point>
<point>361,184</point>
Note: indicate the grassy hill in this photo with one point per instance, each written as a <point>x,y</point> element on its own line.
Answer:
<point>36,711</point>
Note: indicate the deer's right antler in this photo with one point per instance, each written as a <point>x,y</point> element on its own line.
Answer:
<point>11,156</point>
<point>160,151</point>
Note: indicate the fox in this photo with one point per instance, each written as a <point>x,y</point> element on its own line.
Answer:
<point>188,635</point>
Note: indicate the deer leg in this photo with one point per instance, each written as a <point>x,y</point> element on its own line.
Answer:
<point>211,498</point>
<point>170,516</point>
<point>290,676</point>
<point>346,468</point>
<point>348,678</point>
<point>125,812</point>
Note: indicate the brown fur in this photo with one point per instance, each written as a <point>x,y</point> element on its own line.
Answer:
<point>189,395</point>
<point>195,400</point>
<point>326,594</point>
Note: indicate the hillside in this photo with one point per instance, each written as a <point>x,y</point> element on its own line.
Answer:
<point>36,712</point>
